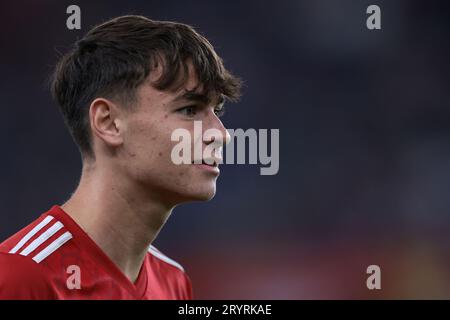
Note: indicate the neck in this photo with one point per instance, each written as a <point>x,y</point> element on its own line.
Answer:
<point>121,219</point>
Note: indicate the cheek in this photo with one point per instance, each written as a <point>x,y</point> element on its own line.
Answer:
<point>151,165</point>
<point>149,143</point>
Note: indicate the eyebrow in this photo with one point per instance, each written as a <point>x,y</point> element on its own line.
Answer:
<point>199,97</point>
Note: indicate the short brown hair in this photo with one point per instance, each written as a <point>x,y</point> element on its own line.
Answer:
<point>115,57</point>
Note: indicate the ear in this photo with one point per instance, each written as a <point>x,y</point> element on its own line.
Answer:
<point>104,121</point>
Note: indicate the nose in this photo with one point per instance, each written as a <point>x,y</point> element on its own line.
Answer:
<point>215,123</point>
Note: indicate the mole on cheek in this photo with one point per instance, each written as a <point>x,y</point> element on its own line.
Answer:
<point>132,154</point>
<point>160,154</point>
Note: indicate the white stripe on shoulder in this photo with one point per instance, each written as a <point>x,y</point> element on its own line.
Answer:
<point>42,238</point>
<point>52,247</point>
<point>158,254</point>
<point>30,234</point>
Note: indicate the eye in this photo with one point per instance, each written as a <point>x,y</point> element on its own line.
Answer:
<point>188,111</point>
<point>219,110</point>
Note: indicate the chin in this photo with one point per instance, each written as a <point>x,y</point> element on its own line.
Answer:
<point>206,197</point>
<point>205,194</point>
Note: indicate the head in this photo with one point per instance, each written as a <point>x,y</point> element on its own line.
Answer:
<point>127,85</point>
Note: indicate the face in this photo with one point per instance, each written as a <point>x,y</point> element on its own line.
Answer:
<point>147,145</point>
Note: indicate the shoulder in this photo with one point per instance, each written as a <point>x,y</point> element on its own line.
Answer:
<point>38,240</point>
<point>22,278</point>
<point>25,271</point>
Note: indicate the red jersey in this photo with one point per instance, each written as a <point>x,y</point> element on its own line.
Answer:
<point>53,258</point>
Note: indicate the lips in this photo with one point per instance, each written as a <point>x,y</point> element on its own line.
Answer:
<point>212,162</point>
<point>206,167</point>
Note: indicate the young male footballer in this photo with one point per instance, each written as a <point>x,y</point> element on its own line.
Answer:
<point>122,90</point>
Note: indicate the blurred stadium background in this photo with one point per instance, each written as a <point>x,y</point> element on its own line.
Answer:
<point>365,155</point>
